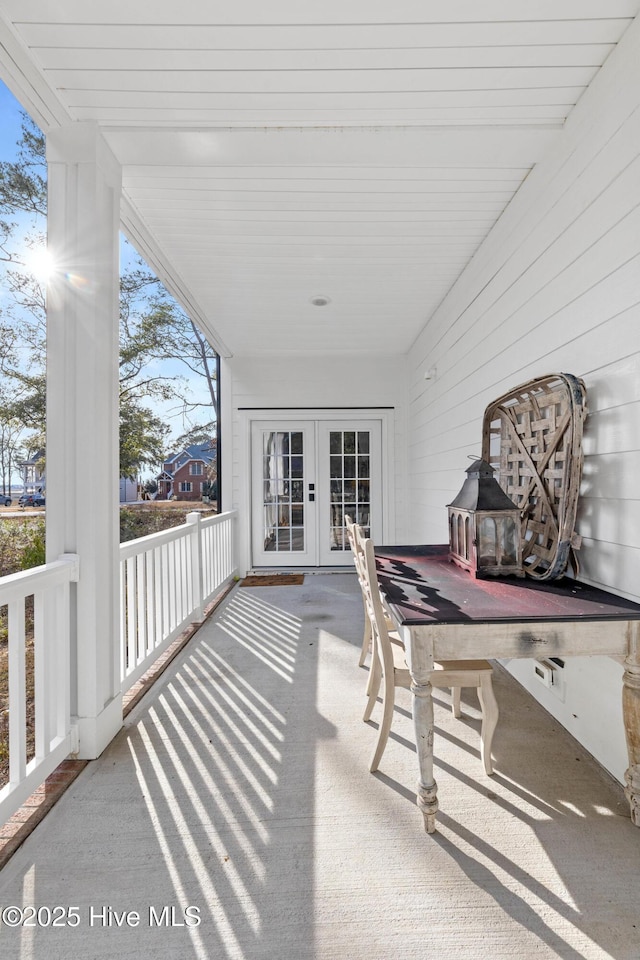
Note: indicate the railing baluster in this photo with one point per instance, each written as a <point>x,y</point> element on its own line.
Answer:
<point>132,626</point>
<point>62,652</point>
<point>17,693</point>
<point>180,581</point>
<point>150,601</point>
<point>41,689</point>
<point>195,565</point>
<point>124,659</point>
<point>173,582</point>
<point>141,619</point>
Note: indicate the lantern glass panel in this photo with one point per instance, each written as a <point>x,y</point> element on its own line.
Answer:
<point>510,540</point>
<point>497,541</point>
<point>487,537</point>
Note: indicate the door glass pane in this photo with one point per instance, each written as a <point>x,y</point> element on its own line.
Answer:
<point>363,466</point>
<point>283,491</point>
<point>349,470</point>
<point>335,466</point>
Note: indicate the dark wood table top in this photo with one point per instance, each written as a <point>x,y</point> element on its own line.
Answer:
<point>425,587</point>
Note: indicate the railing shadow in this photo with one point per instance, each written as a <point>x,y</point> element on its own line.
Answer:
<point>223,763</point>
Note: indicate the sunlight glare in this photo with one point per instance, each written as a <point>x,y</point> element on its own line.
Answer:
<point>75,280</point>
<point>41,264</point>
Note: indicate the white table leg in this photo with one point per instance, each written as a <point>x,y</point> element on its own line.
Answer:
<point>419,654</point>
<point>631,712</point>
<point>422,709</point>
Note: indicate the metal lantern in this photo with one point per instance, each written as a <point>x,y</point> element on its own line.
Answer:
<point>484,526</point>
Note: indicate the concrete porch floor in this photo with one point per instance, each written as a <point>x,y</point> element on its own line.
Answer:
<point>240,786</point>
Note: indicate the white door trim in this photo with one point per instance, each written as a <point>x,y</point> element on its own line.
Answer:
<point>386,416</point>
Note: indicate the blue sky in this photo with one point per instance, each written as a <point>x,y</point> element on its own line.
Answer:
<point>10,125</point>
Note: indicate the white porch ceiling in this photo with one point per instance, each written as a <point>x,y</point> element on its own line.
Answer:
<point>271,152</point>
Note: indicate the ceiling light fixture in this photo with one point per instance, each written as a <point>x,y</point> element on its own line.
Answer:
<point>320,300</point>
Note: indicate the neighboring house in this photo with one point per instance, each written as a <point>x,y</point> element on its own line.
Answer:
<point>34,478</point>
<point>34,473</point>
<point>186,475</point>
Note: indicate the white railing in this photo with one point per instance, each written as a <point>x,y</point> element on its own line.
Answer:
<point>49,687</point>
<point>166,580</point>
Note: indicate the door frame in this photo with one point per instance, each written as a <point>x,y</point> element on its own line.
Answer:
<point>249,415</point>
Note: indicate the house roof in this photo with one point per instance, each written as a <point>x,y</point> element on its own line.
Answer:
<point>354,153</point>
<point>205,452</point>
<point>200,451</point>
<point>34,460</point>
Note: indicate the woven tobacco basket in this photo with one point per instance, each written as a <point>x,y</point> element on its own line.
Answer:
<point>532,436</point>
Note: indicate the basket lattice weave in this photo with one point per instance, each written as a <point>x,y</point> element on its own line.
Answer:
<point>532,436</point>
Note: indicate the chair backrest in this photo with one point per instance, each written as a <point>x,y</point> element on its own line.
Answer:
<point>356,539</point>
<point>375,609</point>
<point>349,524</point>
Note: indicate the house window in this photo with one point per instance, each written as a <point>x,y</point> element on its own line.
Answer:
<point>185,486</point>
<point>195,469</point>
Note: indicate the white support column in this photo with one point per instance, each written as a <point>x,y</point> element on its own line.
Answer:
<point>82,414</point>
<point>235,445</point>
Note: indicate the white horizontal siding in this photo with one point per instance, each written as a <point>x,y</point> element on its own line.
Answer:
<point>288,12</point>
<point>48,38</point>
<point>555,287</point>
<point>68,60</point>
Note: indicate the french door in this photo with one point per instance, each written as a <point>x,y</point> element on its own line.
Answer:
<point>306,475</point>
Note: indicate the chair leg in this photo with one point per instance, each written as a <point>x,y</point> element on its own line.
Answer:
<point>374,679</point>
<point>489,706</point>
<point>388,703</point>
<point>366,640</point>
<point>455,702</point>
<point>373,685</point>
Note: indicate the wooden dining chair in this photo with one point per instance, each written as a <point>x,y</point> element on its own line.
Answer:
<point>389,670</point>
<point>355,537</point>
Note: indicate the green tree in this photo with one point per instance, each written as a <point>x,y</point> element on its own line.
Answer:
<point>23,182</point>
<point>142,437</point>
<point>167,333</point>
